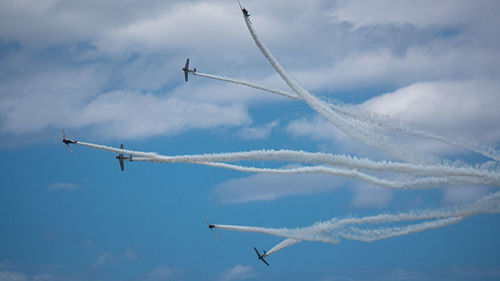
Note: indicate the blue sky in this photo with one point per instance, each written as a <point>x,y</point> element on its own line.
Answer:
<point>109,73</point>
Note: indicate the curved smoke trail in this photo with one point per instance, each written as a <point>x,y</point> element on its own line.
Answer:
<point>380,120</point>
<point>346,125</point>
<point>331,231</point>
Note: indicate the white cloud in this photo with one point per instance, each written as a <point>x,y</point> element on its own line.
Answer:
<point>268,187</point>
<point>105,259</point>
<point>462,195</point>
<point>43,277</point>
<point>12,276</point>
<point>257,132</point>
<point>125,115</point>
<point>317,128</point>
<point>136,53</point>
<point>63,186</point>
<point>382,67</point>
<point>238,272</point>
<point>467,110</point>
<point>423,12</point>
<point>161,273</point>
<point>130,255</point>
<point>366,196</point>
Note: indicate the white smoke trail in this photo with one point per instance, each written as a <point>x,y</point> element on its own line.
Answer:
<point>373,118</point>
<point>370,235</point>
<point>420,183</point>
<point>346,125</point>
<point>440,174</point>
<point>331,231</point>
<point>399,126</point>
<point>342,160</point>
<point>118,150</point>
<point>280,246</point>
<point>240,82</point>
<point>414,184</point>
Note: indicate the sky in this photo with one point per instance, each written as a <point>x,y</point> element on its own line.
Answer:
<point>110,73</point>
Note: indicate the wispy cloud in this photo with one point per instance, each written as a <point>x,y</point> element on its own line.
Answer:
<point>105,259</point>
<point>238,272</point>
<point>63,186</point>
<point>266,187</point>
<point>6,275</point>
<point>366,196</point>
<point>258,132</point>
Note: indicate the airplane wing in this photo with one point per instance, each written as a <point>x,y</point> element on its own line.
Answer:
<point>186,69</point>
<point>257,252</point>
<point>120,158</point>
<point>265,261</point>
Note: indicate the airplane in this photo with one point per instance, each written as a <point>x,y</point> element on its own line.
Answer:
<point>243,10</point>
<point>211,226</point>
<point>121,157</point>
<point>67,142</point>
<point>261,257</point>
<point>187,70</point>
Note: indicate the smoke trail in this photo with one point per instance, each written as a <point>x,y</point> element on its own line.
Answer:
<point>151,155</point>
<point>370,235</point>
<point>331,231</point>
<point>279,92</point>
<point>347,126</point>
<point>373,118</point>
<point>280,246</point>
<point>415,184</point>
<point>441,174</point>
<point>399,126</point>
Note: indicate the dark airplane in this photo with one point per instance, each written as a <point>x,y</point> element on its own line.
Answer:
<point>121,157</point>
<point>67,142</point>
<point>243,10</point>
<point>187,70</point>
<point>211,226</point>
<point>261,257</point>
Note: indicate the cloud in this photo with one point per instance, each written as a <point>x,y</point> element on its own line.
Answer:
<point>130,255</point>
<point>268,187</point>
<point>63,186</point>
<point>464,109</point>
<point>463,195</point>
<point>124,114</point>
<point>96,59</point>
<point>383,67</point>
<point>258,132</point>
<point>238,272</point>
<point>424,12</point>
<point>105,259</point>
<point>317,128</point>
<point>366,196</point>
<point>43,277</point>
<point>161,273</point>
<point>12,276</point>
